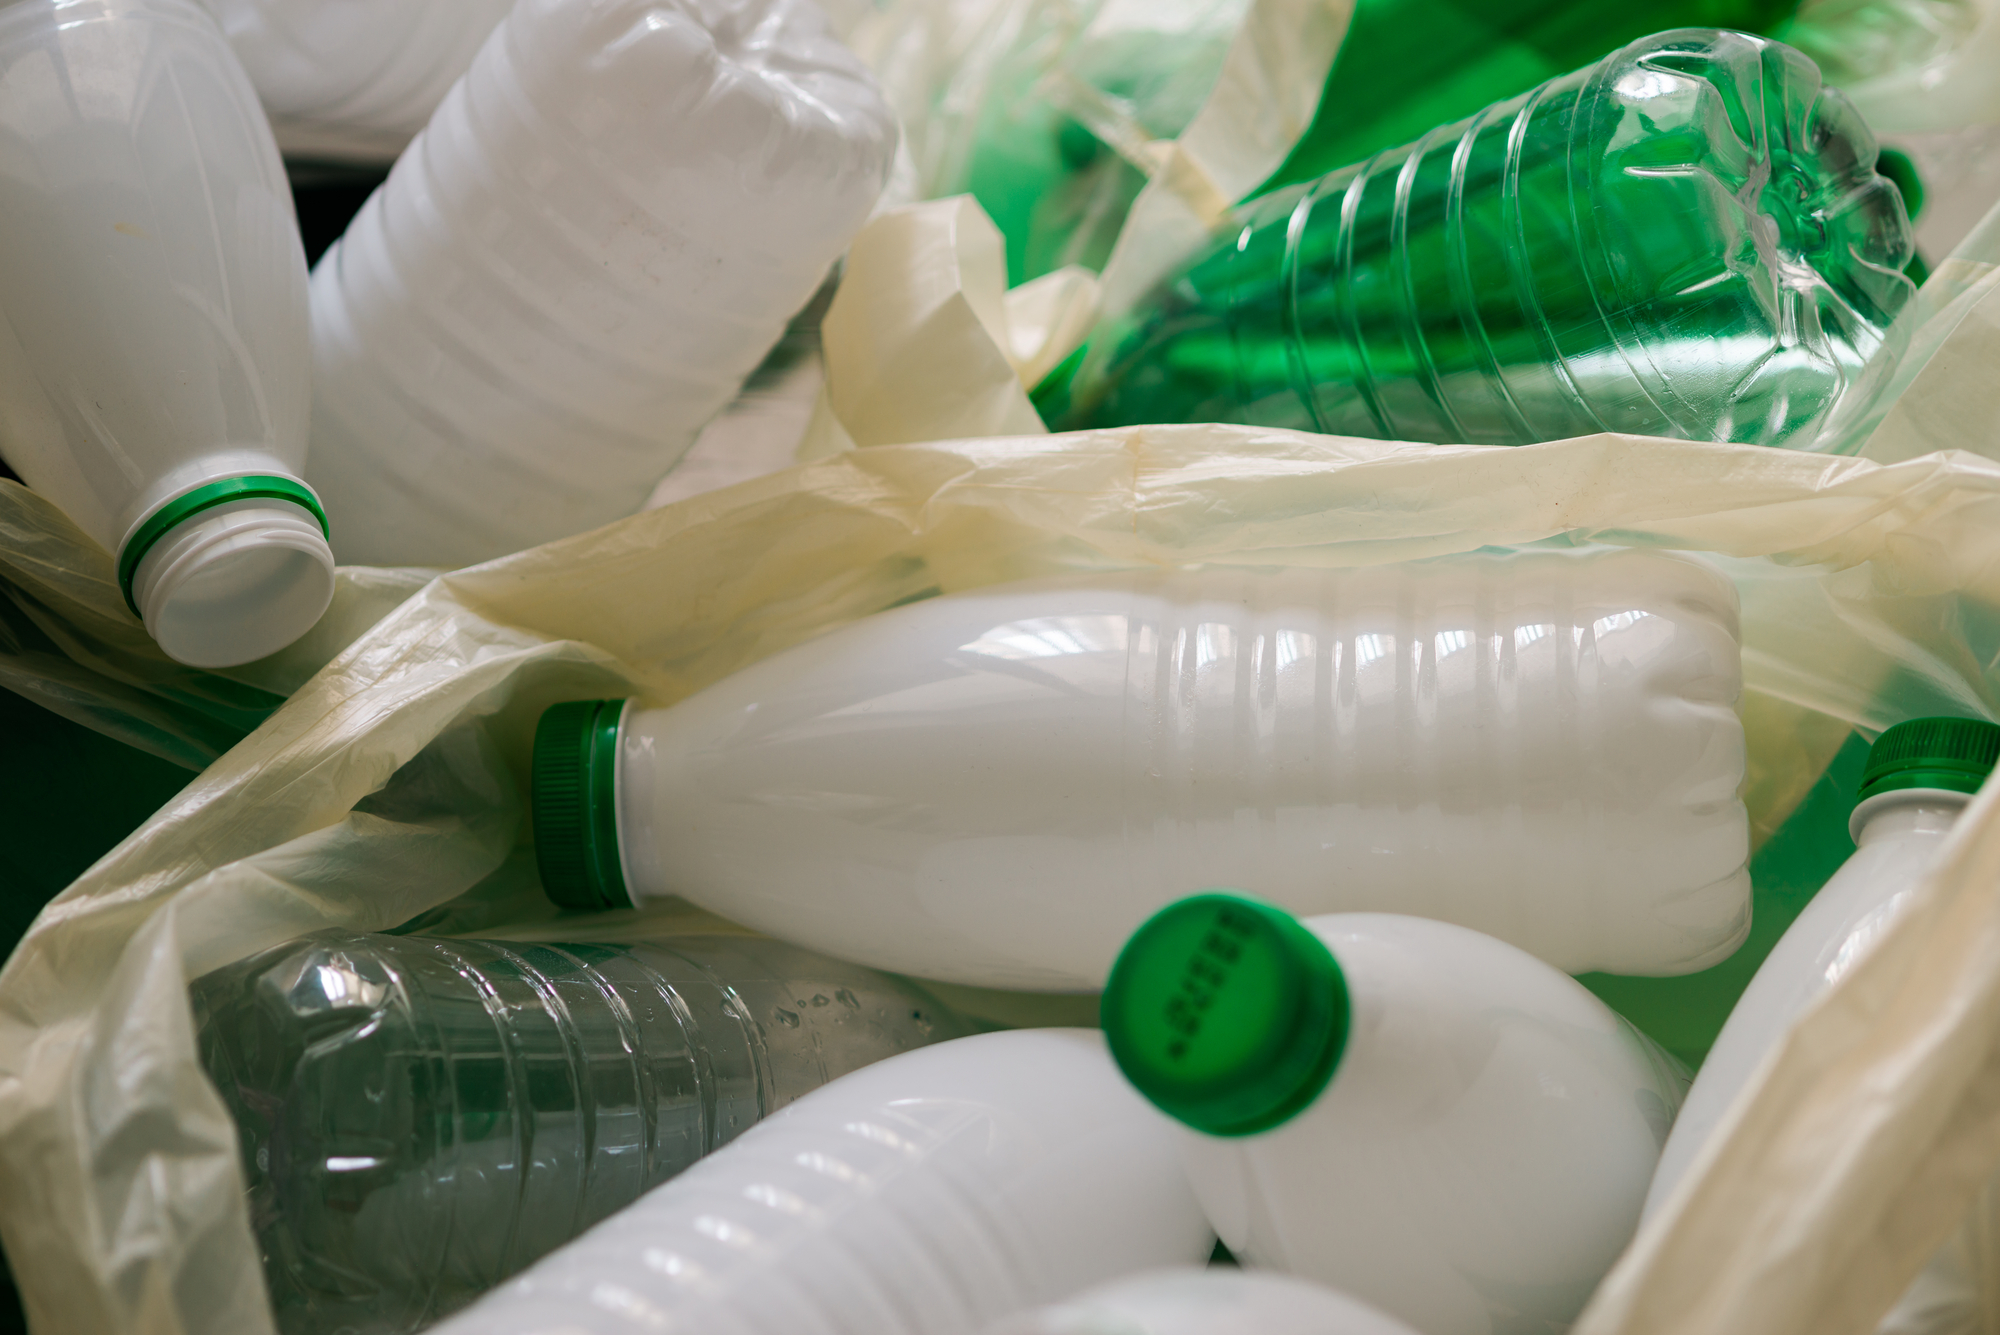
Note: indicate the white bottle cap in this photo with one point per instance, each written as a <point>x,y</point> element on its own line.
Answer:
<point>231,571</point>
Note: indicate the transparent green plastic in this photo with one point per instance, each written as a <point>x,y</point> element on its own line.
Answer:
<point>1686,239</point>
<point>420,1118</point>
<point>1406,65</point>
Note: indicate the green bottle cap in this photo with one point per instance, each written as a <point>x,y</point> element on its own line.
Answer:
<point>1227,1013</point>
<point>1951,753</point>
<point>575,795</point>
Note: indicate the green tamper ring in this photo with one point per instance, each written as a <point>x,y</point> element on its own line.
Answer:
<point>206,497</point>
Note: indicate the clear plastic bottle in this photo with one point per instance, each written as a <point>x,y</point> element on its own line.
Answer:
<point>1418,1115</point>
<point>1220,1300</point>
<point>1686,239</point>
<point>600,233</point>
<point>926,1195</point>
<point>354,80</point>
<point>1407,65</point>
<point>154,374</point>
<point>995,787</point>
<point>420,1118</point>
<point>1921,775</point>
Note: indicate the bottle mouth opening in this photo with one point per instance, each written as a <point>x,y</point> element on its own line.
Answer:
<point>230,572</point>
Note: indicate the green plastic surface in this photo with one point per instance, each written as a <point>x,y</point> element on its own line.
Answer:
<point>1951,753</point>
<point>575,784</point>
<point>182,508</point>
<point>1227,1013</point>
<point>1574,260</point>
<point>1406,65</point>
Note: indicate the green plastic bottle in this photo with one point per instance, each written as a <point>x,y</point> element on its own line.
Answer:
<point>1688,238</point>
<point>1406,65</point>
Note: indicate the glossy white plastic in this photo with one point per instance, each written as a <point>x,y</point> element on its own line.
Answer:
<point>1479,1158</point>
<point>354,80</point>
<point>1216,1301</point>
<point>997,787</point>
<point>599,234</point>
<point>153,330</point>
<point>924,1195</point>
<point>1898,835</point>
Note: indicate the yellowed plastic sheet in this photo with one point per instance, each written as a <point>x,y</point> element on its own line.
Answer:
<point>390,783</point>
<point>68,643</point>
<point>1935,383</point>
<point>1858,1146</point>
<point>1264,61</point>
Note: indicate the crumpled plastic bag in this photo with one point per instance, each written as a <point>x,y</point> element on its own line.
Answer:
<point>388,788</point>
<point>1058,113</point>
<point>68,642</point>
<point>1933,384</point>
<point>1855,1149</point>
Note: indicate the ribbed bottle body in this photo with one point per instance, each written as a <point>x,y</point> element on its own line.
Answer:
<point>997,787</point>
<point>1218,1300</point>
<point>602,230</point>
<point>357,79</point>
<point>1686,239</point>
<point>421,1118</point>
<point>1407,65</point>
<point>926,1195</point>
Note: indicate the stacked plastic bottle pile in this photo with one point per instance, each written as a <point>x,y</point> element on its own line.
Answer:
<point>1328,844</point>
<point>612,210</point>
<point>1434,790</point>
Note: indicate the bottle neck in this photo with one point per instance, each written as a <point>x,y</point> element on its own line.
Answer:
<point>1906,811</point>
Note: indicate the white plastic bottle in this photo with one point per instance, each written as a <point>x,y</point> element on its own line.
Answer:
<point>355,79</point>
<point>997,787</point>
<point>602,230</point>
<point>1416,1114</point>
<point>1920,776</point>
<point>1217,1301</point>
<point>924,1195</point>
<point>154,380</point>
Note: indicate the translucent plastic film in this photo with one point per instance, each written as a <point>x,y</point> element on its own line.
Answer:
<point>1062,115</point>
<point>68,642</point>
<point>1927,389</point>
<point>391,782</point>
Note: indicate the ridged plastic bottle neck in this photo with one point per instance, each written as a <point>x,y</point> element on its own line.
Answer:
<point>230,572</point>
<point>1905,811</point>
